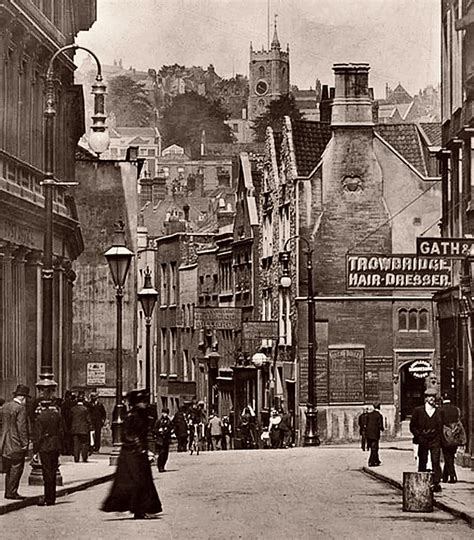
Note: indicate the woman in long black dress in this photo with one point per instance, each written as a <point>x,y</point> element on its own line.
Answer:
<point>133,489</point>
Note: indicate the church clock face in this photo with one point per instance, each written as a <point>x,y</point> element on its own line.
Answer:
<point>261,88</point>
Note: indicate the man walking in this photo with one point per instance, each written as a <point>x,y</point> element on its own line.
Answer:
<point>450,415</point>
<point>363,428</point>
<point>373,430</point>
<point>48,435</point>
<point>14,440</point>
<point>180,428</point>
<point>215,431</point>
<point>426,425</point>
<point>98,417</point>
<point>81,427</point>
<point>162,433</point>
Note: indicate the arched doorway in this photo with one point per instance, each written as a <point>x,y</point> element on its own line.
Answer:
<point>412,387</point>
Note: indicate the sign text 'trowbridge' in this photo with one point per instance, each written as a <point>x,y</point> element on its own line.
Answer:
<point>396,272</point>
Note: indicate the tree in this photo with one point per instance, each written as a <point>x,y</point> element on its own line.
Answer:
<point>273,116</point>
<point>128,101</point>
<point>188,115</point>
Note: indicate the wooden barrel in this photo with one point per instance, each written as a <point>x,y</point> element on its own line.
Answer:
<point>417,492</point>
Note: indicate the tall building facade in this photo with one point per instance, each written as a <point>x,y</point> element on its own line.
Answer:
<point>269,76</point>
<point>31,32</point>
<point>455,308</point>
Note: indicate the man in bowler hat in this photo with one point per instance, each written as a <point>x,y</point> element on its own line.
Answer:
<point>14,440</point>
<point>48,433</point>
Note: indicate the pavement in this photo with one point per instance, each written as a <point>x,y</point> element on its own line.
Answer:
<point>76,477</point>
<point>397,457</point>
<point>457,499</point>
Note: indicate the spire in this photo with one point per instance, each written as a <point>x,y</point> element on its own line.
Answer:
<point>275,42</point>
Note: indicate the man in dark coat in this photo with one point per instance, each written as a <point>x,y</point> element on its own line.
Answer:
<point>426,425</point>
<point>162,434</point>
<point>363,428</point>
<point>48,435</point>
<point>133,489</point>
<point>81,426</point>
<point>180,427</point>
<point>14,440</point>
<point>66,406</point>
<point>450,414</point>
<point>98,417</point>
<point>373,430</point>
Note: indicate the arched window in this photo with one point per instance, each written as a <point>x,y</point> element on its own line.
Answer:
<point>423,320</point>
<point>413,320</point>
<point>261,70</point>
<point>402,319</point>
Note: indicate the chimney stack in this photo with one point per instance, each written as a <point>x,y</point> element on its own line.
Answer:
<point>352,105</point>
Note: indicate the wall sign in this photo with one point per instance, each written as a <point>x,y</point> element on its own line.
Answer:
<point>450,248</point>
<point>95,373</point>
<point>378,380</point>
<point>260,330</point>
<point>320,377</point>
<point>397,272</point>
<point>346,374</point>
<point>223,318</point>
<point>420,369</point>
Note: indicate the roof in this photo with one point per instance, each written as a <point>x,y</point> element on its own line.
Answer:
<point>398,95</point>
<point>304,94</point>
<point>133,132</point>
<point>234,149</point>
<point>432,130</point>
<point>310,140</point>
<point>405,139</point>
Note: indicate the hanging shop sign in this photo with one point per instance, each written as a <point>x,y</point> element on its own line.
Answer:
<point>397,272</point>
<point>420,369</point>
<point>217,318</point>
<point>449,248</point>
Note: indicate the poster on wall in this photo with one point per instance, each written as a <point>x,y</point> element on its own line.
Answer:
<point>95,373</point>
<point>346,374</point>
<point>378,377</point>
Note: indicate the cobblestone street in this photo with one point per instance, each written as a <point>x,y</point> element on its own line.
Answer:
<point>294,494</point>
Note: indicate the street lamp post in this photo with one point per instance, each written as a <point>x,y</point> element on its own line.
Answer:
<point>98,141</point>
<point>148,297</point>
<point>119,258</point>
<point>311,436</point>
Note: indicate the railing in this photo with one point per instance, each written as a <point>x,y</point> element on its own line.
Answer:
<point>24,181</point>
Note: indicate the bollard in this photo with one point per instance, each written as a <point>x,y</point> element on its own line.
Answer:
<point>417,492</point>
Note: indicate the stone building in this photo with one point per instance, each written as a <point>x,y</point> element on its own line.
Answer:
<point>454,305</point>
<point>269,76</point>
<point>359,194</point>
<point>32,31</point>
<point>107,193</point>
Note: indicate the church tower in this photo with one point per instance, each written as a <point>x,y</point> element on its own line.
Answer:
<point>269,76</point>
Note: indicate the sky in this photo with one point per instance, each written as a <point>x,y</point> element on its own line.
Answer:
<point>400,39</point>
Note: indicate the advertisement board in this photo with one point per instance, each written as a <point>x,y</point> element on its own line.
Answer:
<point>406,271</point>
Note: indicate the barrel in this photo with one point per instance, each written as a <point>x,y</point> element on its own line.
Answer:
<point>417,492</point>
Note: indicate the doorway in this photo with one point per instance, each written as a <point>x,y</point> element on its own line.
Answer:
<point>411,391</point>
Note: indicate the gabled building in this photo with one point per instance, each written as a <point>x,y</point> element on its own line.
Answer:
<point>357,194</point>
